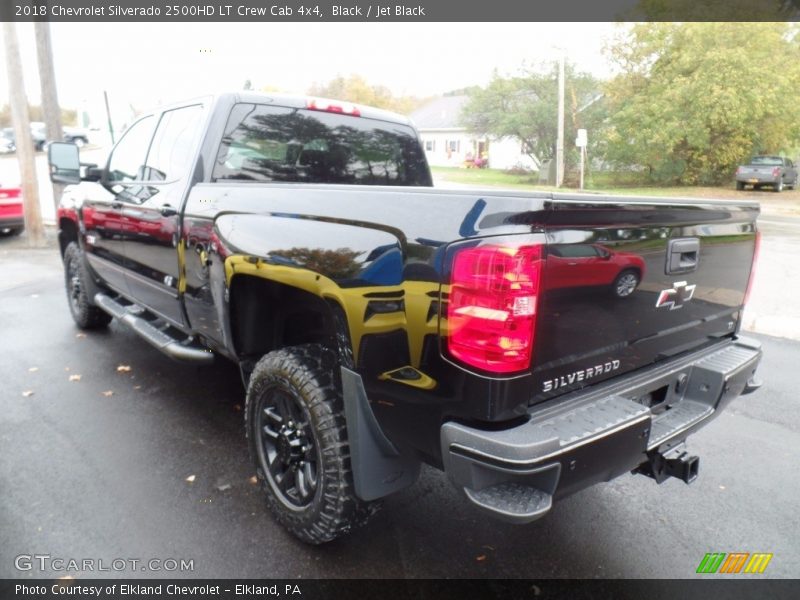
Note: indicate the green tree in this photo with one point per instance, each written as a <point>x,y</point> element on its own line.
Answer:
<point>693,100</point>
<point>69,116</point>
<point>525,107</point>
<point>355,88</point>
<point>714,10</point>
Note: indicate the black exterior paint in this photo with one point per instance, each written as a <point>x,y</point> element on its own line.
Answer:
<point>395,246</point>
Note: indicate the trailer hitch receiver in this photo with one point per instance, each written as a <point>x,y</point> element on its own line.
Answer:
<point>676,462</point>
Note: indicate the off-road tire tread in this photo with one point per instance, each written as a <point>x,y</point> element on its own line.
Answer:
<point>88,315</point>
<point>312,369</point>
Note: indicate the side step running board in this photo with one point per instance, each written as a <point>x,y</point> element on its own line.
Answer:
<point>150,333</point>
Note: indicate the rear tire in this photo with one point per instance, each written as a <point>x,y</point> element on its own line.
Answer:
<point>740,185</point>
<point>625,283</point>
<point>297,436</point>
<point>84,313</point>
<point>778,187</point>
<point>11,231</point>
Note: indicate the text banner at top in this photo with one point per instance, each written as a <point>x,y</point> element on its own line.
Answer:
<point>393,10</point>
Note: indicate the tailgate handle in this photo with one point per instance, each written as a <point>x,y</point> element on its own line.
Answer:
<point>682,256</point>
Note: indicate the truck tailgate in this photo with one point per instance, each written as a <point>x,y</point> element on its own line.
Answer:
<point>629,282</point>
<point>752,174</point>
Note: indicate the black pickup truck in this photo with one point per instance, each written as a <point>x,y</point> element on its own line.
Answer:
<point>528,344</point>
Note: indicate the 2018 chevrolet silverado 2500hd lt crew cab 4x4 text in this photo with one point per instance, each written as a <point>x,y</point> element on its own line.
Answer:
<point>528,344</point>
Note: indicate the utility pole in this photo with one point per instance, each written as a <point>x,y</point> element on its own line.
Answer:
<point>47,80</point>
<point>24,142</point>
<point>560,140</point>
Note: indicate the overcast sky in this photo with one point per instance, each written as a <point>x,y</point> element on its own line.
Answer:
<point>148,64</point>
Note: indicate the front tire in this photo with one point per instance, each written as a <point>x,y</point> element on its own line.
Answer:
<point>84,313</point>
<point>298,441</point>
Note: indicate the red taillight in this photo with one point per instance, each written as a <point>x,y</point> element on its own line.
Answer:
<point>756,250</point>
<point>491,312</point>
<point>738,170</point>
<point>341,108</point>
<point>10,193</point>
<point>776,171</point>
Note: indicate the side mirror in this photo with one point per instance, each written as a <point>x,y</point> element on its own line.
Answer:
<point>65,163</point>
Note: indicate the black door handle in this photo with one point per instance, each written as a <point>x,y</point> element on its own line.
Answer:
<point>116,205</point>
<point>168,211</point>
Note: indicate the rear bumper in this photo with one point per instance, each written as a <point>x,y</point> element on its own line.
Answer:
<point>12,221</point>
<point>597,434</point>
<point>758,178</point>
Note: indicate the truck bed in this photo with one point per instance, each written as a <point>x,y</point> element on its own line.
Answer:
<point>392,278</point>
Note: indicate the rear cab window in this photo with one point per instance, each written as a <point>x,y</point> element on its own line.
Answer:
<point>768,161</point>
<point>265,143</point>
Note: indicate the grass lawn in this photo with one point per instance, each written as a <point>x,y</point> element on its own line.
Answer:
<point>611,183</point>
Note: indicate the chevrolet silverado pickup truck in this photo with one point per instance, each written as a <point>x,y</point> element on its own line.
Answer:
<point>527,344</point>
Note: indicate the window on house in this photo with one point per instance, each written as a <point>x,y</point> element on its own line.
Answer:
<point>454,145</point>
<point>430,145</point>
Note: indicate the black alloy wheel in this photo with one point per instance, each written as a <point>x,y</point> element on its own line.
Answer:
<point>287,451</point>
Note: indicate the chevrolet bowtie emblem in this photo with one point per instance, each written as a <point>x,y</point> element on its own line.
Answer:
<point>675,297</point>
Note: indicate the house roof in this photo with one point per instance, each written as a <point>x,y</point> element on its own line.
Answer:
<point>442,113</point>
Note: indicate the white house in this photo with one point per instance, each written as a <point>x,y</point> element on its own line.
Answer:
<point>448,144</point>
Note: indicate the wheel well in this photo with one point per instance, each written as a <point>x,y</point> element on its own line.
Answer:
<point>67,232</point>
<point>266,315</point>
<point>633,269</point>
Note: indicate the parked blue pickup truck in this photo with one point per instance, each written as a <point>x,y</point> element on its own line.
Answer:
<point>773,171</point>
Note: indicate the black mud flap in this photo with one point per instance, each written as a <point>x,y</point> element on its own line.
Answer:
<point>379,469</point>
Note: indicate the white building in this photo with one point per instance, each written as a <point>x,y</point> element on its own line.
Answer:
<point>448,144</point>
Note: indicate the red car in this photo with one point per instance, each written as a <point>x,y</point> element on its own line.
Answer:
<point>12,220</point>
<point>574,265</point>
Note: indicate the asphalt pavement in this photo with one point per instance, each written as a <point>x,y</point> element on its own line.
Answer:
<point>100,435</point>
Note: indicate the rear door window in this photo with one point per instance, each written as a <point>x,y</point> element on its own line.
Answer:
<point>265,143</point>
<point>173,144</point>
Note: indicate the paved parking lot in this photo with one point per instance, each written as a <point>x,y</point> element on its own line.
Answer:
<point>94,462</point>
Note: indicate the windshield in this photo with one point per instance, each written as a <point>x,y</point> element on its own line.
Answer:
<point>265,143</point>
